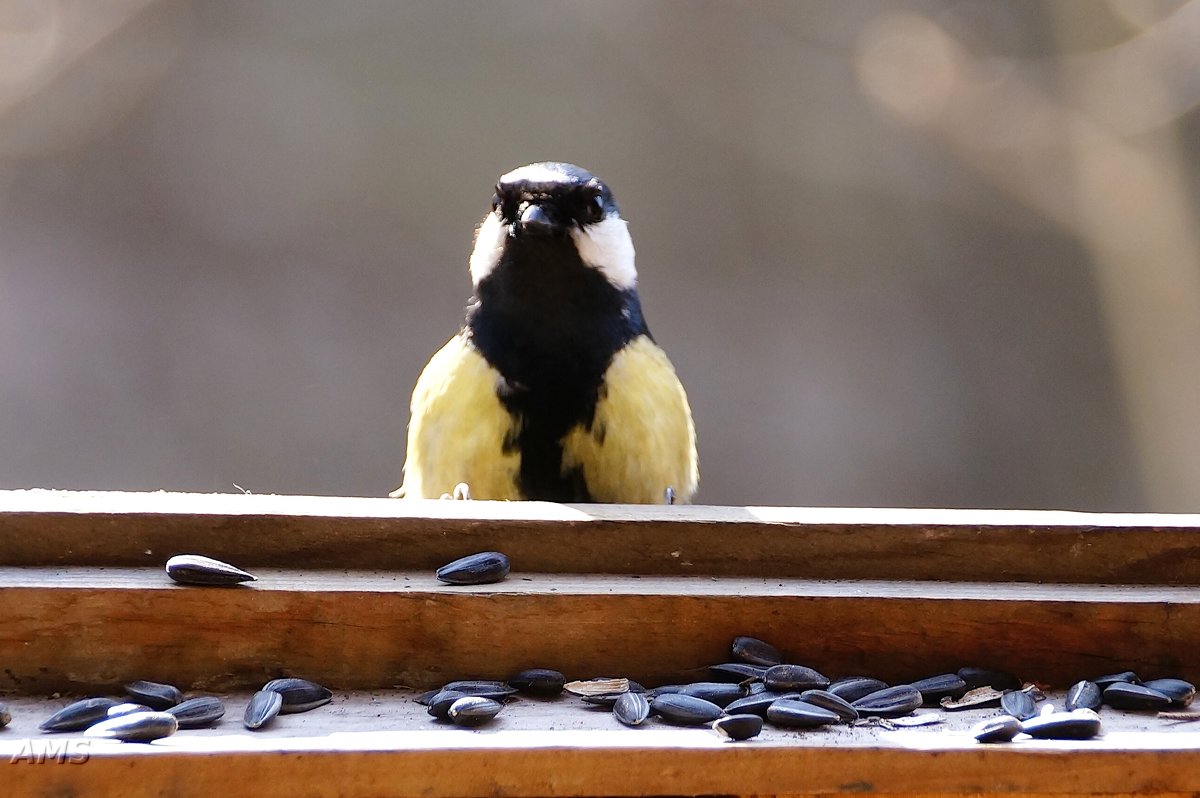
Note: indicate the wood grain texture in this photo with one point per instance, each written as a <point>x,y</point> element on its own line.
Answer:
<point>75,629</point>
<point>133,529</point>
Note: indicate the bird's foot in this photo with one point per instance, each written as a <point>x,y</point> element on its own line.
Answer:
<point>462,492</point>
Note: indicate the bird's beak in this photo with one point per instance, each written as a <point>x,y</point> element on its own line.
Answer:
<point>536,220</point>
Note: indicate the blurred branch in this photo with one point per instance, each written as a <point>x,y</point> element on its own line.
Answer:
<point>1122,199</point>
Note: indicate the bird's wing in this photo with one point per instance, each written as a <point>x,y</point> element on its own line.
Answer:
<point>641,440</point>
<point>458,429</point>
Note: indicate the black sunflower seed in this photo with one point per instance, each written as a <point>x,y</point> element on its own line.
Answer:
<point>196,713</point>
<point>1079,724</point>
<point>631,709</point>
<point>796,714</point>
<point>1180,692</point>
<point>299,695</point>
<point>538,681</point>
<point>1000,729</point>
<point>1019,704</point>
<point>935,688</point>
<point>1082,694</point>
<point>853,688</point>
<point>79,715</point>
<point>793,677</point>
<point>890,702</point>
<point>835,704</point>
<point>475,569</point>
<point>262,709</point>
<point>1123,695</point>
<point>987,677</point>
<point>738,727</point>
<point>154,695</point>
<point>192,569</point>
<point>685,710</point>
<point>473,710</point>
<point>136,727</point>
<point>755,651</point>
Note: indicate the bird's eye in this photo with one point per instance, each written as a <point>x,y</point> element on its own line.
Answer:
<point>495,201</point>
<point>596,208</point>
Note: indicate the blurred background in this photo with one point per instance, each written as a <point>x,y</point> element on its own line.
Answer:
<point>912,253</point>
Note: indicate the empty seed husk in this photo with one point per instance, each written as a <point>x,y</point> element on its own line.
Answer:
<point>482,688</point>
<point>631,709</point>
<point>1019,704</point>
<point>1124,695</point>
<point>538,682</point>
<point>154,694</point>
<point>192,569</point>
<point>262,709</point>
<point>934,688</point>
<point>755,651</point>
<point>483,568</point>
<point>738,727</point>
<point>78,715</point>
<point>606,700</point>
<point>853,688</point>
<point>890,702</point>
<point>979,697</point>
<point>835,704</point>
<point>737,671</point>
<point>1180,692</point>
<point>136,727</point>
<point>1083,694</point>
<point>197,713</point>
<point>597,686</point>
<point>987,677</point>
<point>685,710</point>
<point>299,695</point>
<point>1000,729</point>
<point>473,710</point>
<point>793,713</point>
<point>794,677</point>
<point>1079,724</point>
<point>1112,678</point>
<point>127,708</point>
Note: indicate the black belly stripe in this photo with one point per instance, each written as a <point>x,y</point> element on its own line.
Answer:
<point>550,326</point>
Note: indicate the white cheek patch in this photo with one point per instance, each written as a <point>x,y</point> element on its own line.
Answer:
<point>607,247</point>
<point>489,246</point>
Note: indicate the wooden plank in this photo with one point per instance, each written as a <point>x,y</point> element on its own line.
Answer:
<point>86,628</point>
<point>381,744</point>
<point>132,529</point>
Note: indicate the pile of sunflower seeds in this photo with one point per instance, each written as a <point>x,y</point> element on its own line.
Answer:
<point>157,710</point>
<point>760,687</point>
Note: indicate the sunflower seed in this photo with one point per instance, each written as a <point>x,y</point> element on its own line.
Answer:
<point>986,677</point>
<point>793,677</point>
<point>606,700</point>
<point>196,713</point>
<point>1180,692</point>
<point>631,709</point>
<point>796,714</point>
<point>853,688</point>
<point>78,715</point>
<point>758,703</point>
<point>738,671</point>
<point>934,688</point>
<point>473,710</point>
<point>299,695</point>
<point>684,710</point>
<point>738,727</point>
<point>1081,694</point>
<point>192,569</point>
<point>424,698</point>
<point>1019,704</point>
<point>890,702</point>
<point>1079,724</point>
<point>136,727</point>
<point>1000,729</point>
<point>835,704</point>
<point>126,708</point>
<point>755,651</point>
<point>1124,676</point>
<point>154,695</point>
<point>1123,695</point>
<point>262,709</point>
<point>538,681</point>
<point>439,706</point>
<point>483,568</point>
<point>720,693</point>
<point>481,688</point>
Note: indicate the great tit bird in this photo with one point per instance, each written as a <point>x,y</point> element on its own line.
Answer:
<point>554,390</point>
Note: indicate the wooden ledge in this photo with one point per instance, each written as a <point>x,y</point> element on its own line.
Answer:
<point>382,744</point>
<point>39,527</point>
<point>71,629</point>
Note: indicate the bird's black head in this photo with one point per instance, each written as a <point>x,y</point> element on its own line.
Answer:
<point>555,205</point>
